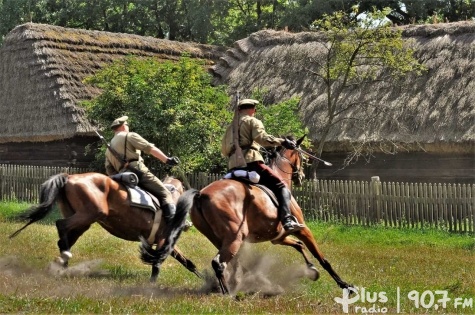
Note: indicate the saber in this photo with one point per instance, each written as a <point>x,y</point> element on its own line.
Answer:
<point>314,157</point>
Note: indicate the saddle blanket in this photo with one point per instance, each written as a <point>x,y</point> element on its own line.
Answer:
<point>140,198</point>
<point>137,196</point>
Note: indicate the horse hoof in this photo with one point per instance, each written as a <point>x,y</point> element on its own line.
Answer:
<point>66,255</point>
<point>59,261</point>
<point>56,267</point>
<point>313,273</point>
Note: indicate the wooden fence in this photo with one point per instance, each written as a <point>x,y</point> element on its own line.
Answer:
<point>22,183</point>
<point>412,205</point>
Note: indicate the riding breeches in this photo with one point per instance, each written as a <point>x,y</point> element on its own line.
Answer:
<point>155,186</point>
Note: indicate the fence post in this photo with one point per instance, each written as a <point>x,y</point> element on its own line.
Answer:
<point>2,182</point>
<point>376,191</point>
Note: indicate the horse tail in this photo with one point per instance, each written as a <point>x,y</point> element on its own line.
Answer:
<point>49,192</point>
<point>172,232</point>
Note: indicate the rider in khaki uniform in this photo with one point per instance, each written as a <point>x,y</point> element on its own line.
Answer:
<point>129,145</point>
<point>252,135</point>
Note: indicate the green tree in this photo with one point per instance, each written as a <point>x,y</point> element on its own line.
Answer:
<point>357,54</point>
<point>171,104</point>
<point>424,11</point>
<point>217,22</point>
<point>281,119</point>
<point>12,13</point>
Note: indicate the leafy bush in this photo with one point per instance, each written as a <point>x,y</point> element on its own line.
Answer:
<point>171,104</point>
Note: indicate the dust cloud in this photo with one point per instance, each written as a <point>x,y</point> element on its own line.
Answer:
<point>264,274</point>
<point>256,273</point>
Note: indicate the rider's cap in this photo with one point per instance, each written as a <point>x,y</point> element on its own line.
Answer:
<point>248,102</point>
<point>119,122</point>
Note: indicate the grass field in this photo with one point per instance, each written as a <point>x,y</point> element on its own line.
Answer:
<point>396,270</point>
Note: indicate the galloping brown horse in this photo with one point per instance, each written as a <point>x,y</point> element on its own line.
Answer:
<point>229,212</point>
<point>87,198</point>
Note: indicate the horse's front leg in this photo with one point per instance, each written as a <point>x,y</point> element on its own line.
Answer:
<point>300,247</point>
<point>188,264</point>
<point>306,236</point>
<point>148,256</point>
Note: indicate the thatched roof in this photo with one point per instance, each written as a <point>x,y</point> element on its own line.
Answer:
<point>42,68</point>
<point>436,109</point>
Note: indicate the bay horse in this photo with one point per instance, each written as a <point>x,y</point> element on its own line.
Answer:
<point>84,199</point>
<point>229,212</point>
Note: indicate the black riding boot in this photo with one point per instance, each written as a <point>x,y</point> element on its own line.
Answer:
<point>289,222</point>
<point>168,212</point>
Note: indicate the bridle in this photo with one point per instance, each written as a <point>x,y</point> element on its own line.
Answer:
<point>296,169</point>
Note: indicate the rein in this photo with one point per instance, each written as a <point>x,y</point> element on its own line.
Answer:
<point>295,168</point>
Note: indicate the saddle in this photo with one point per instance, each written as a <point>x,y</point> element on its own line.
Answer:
<point>252,179</point>
<point>142,199</point>
<point>137,196</point>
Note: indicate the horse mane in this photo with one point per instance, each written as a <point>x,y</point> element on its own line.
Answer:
<point>271,154</point>
<point>290,137</point>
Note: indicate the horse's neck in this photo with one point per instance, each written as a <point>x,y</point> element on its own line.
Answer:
<point>283,169</point>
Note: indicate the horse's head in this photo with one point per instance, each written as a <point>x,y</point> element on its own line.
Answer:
<point>290,164</point>
<point>175,186</point>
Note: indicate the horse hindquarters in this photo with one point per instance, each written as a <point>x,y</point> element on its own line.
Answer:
<point>83,202</point>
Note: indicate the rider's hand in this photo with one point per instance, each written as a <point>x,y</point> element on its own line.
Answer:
<point>289,144</point>
<point>173,161</point>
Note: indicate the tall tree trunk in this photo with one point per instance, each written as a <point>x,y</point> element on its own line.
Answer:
<point>321,145</point>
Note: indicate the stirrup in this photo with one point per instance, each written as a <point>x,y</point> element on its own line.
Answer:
<point>292,225</point>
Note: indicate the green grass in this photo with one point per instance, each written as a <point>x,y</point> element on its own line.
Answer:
<point>9,209</point>
<point>378,259</point>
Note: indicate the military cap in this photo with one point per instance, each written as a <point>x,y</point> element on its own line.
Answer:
<point>119,122</point>
<point>248,101</point>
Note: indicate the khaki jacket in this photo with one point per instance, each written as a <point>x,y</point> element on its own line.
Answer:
<point>135,145</point>
<point>252,136</point>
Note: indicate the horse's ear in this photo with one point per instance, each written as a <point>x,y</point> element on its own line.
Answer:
<point>299,141</point>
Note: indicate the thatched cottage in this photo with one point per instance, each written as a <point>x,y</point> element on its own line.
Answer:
<point>42,68</point>
<point>435,113</point>
<point>41,72</point>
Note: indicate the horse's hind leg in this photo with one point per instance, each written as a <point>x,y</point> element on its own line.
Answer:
<point>306,236</point>
<point>69,231</point>
<point>226,253</point>
<point>218,267</point>
<point>78,218</point>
